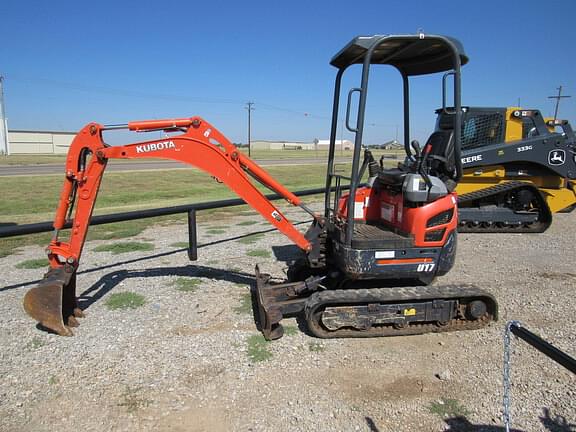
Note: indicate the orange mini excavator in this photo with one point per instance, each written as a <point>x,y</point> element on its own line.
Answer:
<point>366,262</point>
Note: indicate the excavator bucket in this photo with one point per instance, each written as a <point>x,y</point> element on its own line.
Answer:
<point>53,302</point>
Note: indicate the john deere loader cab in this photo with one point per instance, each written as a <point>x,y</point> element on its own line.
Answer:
<point>518,168</point>
<point>383,239</point>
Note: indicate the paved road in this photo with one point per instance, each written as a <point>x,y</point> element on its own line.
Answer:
<point>116,165</point>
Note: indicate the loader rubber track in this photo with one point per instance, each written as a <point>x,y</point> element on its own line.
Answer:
<point>320,301</point>
<point>499,217</point>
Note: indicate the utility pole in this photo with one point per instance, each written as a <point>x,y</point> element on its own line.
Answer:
<point>4,149</point>
<point>250,109</point>
<point>558,97</point>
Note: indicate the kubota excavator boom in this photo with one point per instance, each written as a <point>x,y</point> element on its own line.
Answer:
<point>53,301</point>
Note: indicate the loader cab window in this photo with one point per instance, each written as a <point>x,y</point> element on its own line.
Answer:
<point>479,129</point>
<point>529,128</point>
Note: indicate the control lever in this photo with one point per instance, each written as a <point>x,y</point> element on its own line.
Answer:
<point>419,165</point>
<point>417,149</point>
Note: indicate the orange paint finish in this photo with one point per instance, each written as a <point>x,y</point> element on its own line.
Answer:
<point>380,206</point>
<point>159,124</point>
<point>202,146</point>
<point>404,261</point>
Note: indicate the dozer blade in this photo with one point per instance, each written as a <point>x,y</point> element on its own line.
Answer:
<point>278,300</point>
<point>53,302</point>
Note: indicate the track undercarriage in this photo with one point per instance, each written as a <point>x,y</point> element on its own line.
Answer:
<point>510,207</point>
<point>371,312</point>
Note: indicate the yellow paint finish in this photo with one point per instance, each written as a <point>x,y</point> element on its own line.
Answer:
<point>513,125</point>
<point>558,192</point>
<point>559,199</point>
<point>551,129</point>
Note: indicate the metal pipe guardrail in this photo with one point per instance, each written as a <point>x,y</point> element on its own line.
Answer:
<point>42,227</point>
<point>532,339</point>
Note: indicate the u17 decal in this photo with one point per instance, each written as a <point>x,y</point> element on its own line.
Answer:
<point>426,267</point>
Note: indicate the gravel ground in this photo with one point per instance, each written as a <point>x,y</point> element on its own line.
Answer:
<point>180,362</point>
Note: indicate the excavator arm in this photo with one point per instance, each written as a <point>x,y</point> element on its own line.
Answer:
<point>53,301</point>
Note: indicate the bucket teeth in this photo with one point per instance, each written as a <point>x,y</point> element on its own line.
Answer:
<point>78,313</point>
<point>72,321</point>
<point>53,302</point>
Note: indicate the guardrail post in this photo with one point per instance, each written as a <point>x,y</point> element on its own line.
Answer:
<point>192,241</point>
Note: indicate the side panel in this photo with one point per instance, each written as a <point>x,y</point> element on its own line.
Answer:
<point>381,207</point>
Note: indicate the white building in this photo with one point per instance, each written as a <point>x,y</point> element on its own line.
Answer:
<point>340,145</point>
<point>39,142</point>
<point>295,145</point>
<point>281,145</point>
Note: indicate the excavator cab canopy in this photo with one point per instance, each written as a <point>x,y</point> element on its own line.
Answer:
<point>410,55</point>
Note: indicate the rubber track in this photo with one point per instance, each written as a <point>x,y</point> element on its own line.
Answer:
<point>350,297</point>
<point>544,218</point>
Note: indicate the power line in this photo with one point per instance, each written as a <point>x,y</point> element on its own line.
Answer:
<point>558,97</point>
<point>5,150</point>
<point>124,92</point>
<point>159,96</point>
<point>250,109</point>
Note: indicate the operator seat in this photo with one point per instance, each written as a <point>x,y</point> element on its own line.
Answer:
<point>392,176</point>
<point>440,160</point>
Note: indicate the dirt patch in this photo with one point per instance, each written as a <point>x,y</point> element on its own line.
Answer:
<point>380,385</point>
<point>211,419</point>
<point>558,276</point>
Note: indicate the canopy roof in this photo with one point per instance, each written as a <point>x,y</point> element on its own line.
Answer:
<point>411,54</point>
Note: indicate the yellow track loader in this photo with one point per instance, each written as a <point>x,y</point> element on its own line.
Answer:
<point>518,169</point>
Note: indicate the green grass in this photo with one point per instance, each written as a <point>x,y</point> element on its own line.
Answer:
<point>123,191</point>
<point>290,330</point>
<point>33,264</point>
<point>247,223</point>
<point>187,284</point>
<point>447,408</point>
<point>125,300</point>
<point>113,231</point>
<point>257,348</point>
<point>132,401</point>
<point>32,159</point>
<point>52,380</point>
<point>35,343</point>
<point>117,231</point>
<point>250,239</point>
<point>245,306</point>
<point>316,347</point>
<point>180,245</point>
<point>261,253</point>
<point>255,154</point>
<point>124,247</point>
<point>215,231</point>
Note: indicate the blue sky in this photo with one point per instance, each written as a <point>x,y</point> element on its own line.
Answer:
<point>67,63</point>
